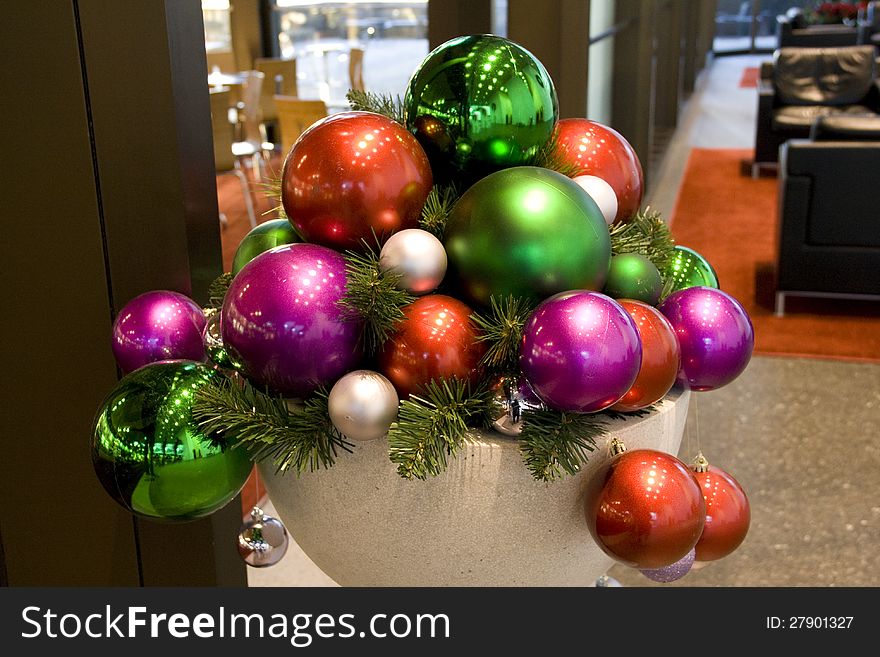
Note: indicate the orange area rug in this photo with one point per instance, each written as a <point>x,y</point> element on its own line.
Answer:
<point>731,220</point>
<point>750,77</point>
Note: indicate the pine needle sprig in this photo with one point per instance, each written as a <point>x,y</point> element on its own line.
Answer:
<point>373,296</point>
<point>385,104</point>
<point>646,234</point>
<point>218,288</point>
<point>432,427</point>
<point>271,189</point>
<point>551,156</point>
<point>437,208</point>
<point>554,443</point>
<point>501,328</point>
<point>292,440</point>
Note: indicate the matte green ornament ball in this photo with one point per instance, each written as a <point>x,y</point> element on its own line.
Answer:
<point>266,236</point>
<point>478,104</point>
<point>152,458</point>
<point>633,276</point>
<point>529,232</point>
<point>688,269</point>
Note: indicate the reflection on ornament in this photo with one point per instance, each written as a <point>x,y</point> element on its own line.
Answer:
<point>157,325</point>
<point>512,397</point>
<point>213,341</point>
<point>673,571</point>
<point>688,269</point>
<point>149,454</point>
<point>362,405</point>
<point>478,104</point>
<point>267,235</point>
<point>417,257</point>
<point>601,192</point>
<point>262,540</point>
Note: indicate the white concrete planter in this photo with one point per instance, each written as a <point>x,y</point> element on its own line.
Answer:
<point>484,522</point>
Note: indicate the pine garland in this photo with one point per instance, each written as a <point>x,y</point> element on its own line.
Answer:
<point>385,104</point>
<point>432,427</point>
<point>646,234</point>
<point>437,208</point>
<point>555,443</point>
<point>502,329</point>
<point>293,440</point>
<point>551,156</point>
<point>374,297</point>
<point>218,288</point>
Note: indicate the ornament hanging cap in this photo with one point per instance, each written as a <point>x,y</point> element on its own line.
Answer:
<point>257,514</point>
<point>700,463</point>
<point>616,446</point>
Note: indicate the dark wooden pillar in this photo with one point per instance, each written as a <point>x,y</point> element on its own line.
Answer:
<point>448,19</point>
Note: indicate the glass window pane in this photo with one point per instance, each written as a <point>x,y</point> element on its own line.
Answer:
<point>218,36</point>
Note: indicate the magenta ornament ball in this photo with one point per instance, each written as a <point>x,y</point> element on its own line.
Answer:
<point>282,321</point>
<point>580,352</point>
<point>157,325</point>
<point>715,335</point>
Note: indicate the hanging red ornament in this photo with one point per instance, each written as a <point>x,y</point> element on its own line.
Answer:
<point>598,150</point>
<point>351,175</point>
<point>649,512</point>
<point>727,512</point>
<point>436,340</point>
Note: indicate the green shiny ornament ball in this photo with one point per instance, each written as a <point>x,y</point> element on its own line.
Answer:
<point>529,232</point>
<point>633,276</point>
<point>152,458</point>
<point>266,236</point>
<point>688,269</point>
<point>478,104</point>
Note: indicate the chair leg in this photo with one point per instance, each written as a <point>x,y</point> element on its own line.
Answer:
<point>245,190</point>
<point>256,166</point>
<point>780,304</point>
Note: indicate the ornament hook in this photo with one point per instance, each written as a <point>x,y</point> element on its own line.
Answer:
<point>700,463</point>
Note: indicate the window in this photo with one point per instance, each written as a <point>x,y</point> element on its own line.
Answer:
<point>218,35</point>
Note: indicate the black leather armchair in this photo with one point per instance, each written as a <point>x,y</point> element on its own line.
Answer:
<point>829,211</point>
<point>804,84</point>
<point>793,32</point>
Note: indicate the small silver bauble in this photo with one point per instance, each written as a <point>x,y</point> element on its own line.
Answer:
<point>362,405</point>
<point>513,398</point>
<point>418,257</point>
<point>605,582</point>
<point>262,540</point>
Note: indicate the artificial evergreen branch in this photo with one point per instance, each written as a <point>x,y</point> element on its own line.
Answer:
<point>374,297</point>
<point>551,156</point>
<point>437,208</point>
<point>553,443</point>
<point>271,189</point>
<point>432,427</point>
<point>385,104</point>
<point>646,234</point>
<point>218,288</point>
<point>501,328</point>
<point>293,440</point>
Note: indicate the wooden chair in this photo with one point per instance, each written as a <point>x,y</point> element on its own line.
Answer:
<point>295,116</point>
<point>224,159</point>
<point>356,69</point>
<point>250,143</point>
<point>280,79</point>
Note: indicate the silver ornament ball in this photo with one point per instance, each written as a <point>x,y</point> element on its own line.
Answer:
<point>418,257</point>
<point>362,405</point>
<point>262,540</point>
<point>605,582</point>
<point>512,398</point>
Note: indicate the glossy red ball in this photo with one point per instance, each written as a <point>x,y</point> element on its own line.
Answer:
<point>661,357</point>
<point>728,514</point>
<point>650,512</point>
<point>436,340</point>
<point>600,151</point>
<point>351,175</point>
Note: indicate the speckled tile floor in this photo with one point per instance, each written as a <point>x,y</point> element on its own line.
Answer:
<point>802,436</point>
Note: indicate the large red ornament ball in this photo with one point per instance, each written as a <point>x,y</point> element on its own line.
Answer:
<point>661,357</point>
<point>650,511</point>
<point>437,339</point>
<point>727,514</point>
<point>351,175</point>
<point>600,151</point>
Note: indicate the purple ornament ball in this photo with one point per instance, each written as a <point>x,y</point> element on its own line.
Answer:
<point>673,571</point>
<point>282,322</point>
<point>581,351</point>
<point>158,325</point>
<point>715,335</point>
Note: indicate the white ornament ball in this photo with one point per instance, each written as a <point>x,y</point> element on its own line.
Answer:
<point>418,257</point>
<point>601,192</point>
<point>363,405</point>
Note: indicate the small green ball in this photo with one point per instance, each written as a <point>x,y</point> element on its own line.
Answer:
<point>266,236</point>
<point>689,269</point>
<point>151,456</point>
<point>529,232</point>
<point>633,276</point>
